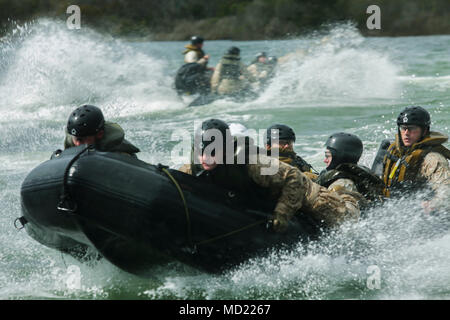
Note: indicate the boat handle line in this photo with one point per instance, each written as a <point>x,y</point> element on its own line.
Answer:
<point>186,210</point>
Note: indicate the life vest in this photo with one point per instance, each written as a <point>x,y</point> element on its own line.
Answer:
<point>231,67</point>
<point>189,47</point>
<point>401,165</point>
<point>367,183</point>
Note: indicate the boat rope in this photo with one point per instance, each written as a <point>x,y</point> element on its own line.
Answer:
<point>66,204</point>
<point>177,185</point>
<point>186,210</point>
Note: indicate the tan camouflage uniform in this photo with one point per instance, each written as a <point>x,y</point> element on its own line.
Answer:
<point>258,70</point>
<point>343,183</point>
<point>345,188</point>
<point>295,192</point>
<point>261,72</point>
<point>432,170</point>
<point>435,170</point>
<point>113,140</point>
<point>186,168</point>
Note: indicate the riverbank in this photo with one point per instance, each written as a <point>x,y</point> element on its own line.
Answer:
<point>173,20</point>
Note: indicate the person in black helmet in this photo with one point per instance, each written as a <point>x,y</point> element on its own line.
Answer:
<point>259,61</point>
<point>87,125</point>
<point>417,158</point>
<point>194,76</point>
<point>230,76</point>
<point>194,52</point>
<point>282,138</point>
<point>287,189</point>
<point>343,151</point>
<point>261,70</point>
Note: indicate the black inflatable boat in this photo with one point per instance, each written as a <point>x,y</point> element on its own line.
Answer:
<point>138,215</point>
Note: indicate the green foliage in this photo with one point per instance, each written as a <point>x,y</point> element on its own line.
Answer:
<point>237,19</point>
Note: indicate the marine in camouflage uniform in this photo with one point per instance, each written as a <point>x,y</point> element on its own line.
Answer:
<point>412,165</point>
<point>285,136</point>
<point>86,125</point>
<point>343,172</point>
<point>230,76</point>
<point>262,69</point>
<point>194,52</point>
<point>291,191</point>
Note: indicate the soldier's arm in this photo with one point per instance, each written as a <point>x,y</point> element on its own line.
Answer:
<point>190,57</point>
<point>253,70</point>
<point>343,183</point>
<point>246,74</point>
<point>215,79</point>
<point>435,169</point>
<point>288,182</point>
<point>203,61</point>
<point>331,207</point>
<point>311,175</point>
<point>263,74</point>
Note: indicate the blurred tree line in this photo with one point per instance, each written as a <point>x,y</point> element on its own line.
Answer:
<point>235,19</point>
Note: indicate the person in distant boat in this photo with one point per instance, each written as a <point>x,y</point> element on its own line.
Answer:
<point>262,69</point>
<point>194,52</point>
<point>230,76</point>
<point>258,66</point>
<point>343,151</point>
<point>87,125</point>
<point>194,76</point>
<point>285,136</point>
<point>290,191</point>
<point>417,158</point>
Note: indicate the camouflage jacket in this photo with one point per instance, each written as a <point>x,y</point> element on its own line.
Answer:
<point>295,193</point>
<point>424,163</point>
<point>112,141</point>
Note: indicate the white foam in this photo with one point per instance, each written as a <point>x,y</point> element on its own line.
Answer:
<point>338,68</point>
<point>54,69</point>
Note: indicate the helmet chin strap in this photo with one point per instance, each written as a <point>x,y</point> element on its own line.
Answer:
<point>425,132</point>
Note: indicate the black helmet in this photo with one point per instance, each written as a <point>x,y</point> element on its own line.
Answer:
<point>213,124</point>
<point>85,121</point>
<point>345,148</point>
<point>234,51</point>
<point>196,40</point>
<point>284,133</point>
<point>203,138</point>
<point>414,115</point>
